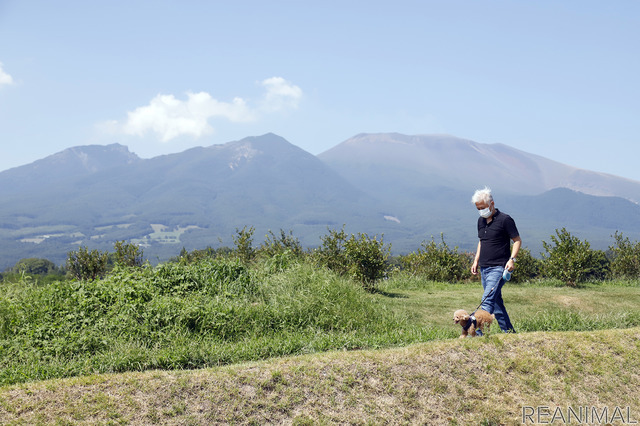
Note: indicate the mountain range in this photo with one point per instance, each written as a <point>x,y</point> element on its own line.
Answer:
<point>408,188</point>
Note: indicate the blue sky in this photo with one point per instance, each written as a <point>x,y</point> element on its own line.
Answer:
<point>560,79</point>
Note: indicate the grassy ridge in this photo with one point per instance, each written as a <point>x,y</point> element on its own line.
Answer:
<point>188,316</point>
<point>219,312</point>
<point>174,318</point>
<point>474,381</point>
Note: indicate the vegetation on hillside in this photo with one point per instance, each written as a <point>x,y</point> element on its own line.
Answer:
<point>115,312</point>
<point>367,259</point>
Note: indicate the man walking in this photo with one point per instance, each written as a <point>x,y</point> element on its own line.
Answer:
<point>496,230</point>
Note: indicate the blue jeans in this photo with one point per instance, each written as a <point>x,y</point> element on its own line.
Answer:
<point>492,300</point>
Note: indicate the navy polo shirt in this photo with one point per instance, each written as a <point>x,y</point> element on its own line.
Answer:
<point>495,239</point>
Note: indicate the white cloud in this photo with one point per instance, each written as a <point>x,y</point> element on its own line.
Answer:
<point>169,117</point>
<point>5,79</point>
<point>280,95</point>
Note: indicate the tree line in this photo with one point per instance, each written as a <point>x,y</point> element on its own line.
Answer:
<point>366,259</point>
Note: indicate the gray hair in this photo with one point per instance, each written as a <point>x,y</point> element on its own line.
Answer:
<point>482,195</point>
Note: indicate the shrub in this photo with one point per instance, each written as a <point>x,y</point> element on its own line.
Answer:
<point>35,266</point>
<point>243,241</point>
<point>360,257</point>
<point>128,254</point>
<point>599,267</point>
<point>367,258</point>
<point>626,257</point>
<point>194,256</point>
<point>332,253</point>
<point>527,267</point>
<point>87,265</point>
<point>437,262</point>
<point>571,260</point>
<point>274,245</point>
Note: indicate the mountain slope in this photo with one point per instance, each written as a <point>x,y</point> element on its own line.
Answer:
<point>204,194</point>
<point>429,179</point>
<point>408,188</point>
<point>389,159</point>
<point>71,163</point>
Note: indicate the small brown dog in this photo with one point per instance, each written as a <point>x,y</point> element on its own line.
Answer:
<point>481,320</point>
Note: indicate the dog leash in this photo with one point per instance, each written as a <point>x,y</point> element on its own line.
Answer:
<point>483,299</point>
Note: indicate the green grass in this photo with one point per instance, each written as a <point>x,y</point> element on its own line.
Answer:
<point>173,317</point>
<point>216,342</point>
<point>536,306</point>
<point>220,312</point>
<point>196,317</point>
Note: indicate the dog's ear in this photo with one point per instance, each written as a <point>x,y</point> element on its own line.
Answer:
<point>465,316</point>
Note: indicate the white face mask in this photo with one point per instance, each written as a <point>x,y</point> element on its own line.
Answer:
<point>486,213</point>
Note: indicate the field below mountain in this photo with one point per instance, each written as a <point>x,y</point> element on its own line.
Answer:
<point>307,347</point>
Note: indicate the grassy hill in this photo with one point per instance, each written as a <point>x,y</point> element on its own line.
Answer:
<point>503,379</point>
<point>215,342</point>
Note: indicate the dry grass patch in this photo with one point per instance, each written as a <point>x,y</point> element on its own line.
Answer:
<point>471,381</point>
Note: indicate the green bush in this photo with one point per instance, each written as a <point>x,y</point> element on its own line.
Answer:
<point>361,257</point>
<point>128,254</point>
<point>276,245</point>
<point>34,266</point>
<point>437,262</point>
<point>332,253</point>
<point>599,268</point>
<point>572,261</point>
<point>243,241</point>
<point>38,270</point>
<point>527,267</point>
<point>185,257</point>
<point>625,261</point>
<point>367,259</point>
<point>83,264</point>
